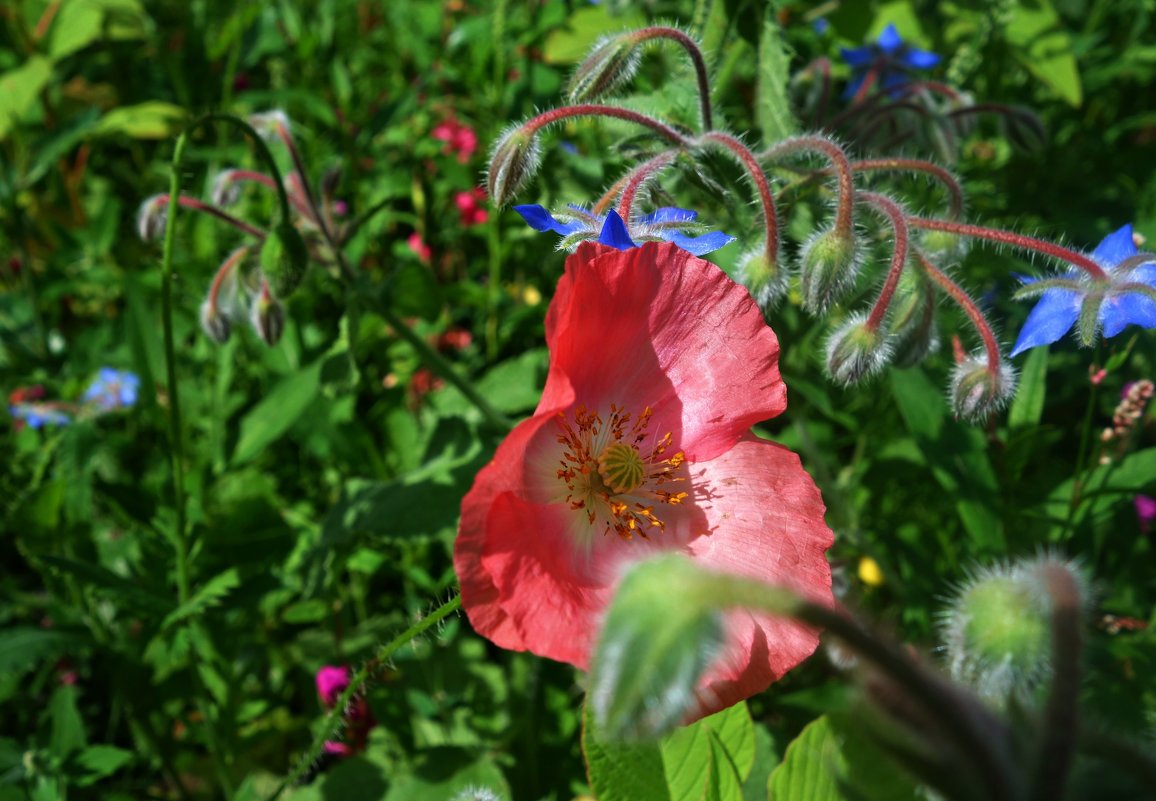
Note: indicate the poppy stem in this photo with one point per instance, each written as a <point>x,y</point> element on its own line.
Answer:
<point>1020,241</point>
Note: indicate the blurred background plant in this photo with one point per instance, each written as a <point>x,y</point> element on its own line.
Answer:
<point>323,474</point>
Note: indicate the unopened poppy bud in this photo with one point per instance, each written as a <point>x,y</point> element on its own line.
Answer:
<point>267,315</point>
<point>912,319</point>
<point>997,631</point>
<point>513,161</point>
<point>284,259</point>
<point>215,324</point>
<point>977,390</point>
<point>829,266</point>
<point>857,351</point>
<point>611,64</point>
<point>152,217</point>
<point>763,277</point>
<point>659,636</point>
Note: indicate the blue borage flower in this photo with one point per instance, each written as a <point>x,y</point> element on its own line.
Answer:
<point>889,58</point>
<point>113,389</point>
<point>668,223</point>
<point>38,415</point>
<point>1059,308</point>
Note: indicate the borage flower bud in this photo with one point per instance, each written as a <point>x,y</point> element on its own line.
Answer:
<point>270,124</point>
<point>267,316</point>
<point>661,633</point>
<point>997,631</point>
<point>763,277</point>
<point>477,794</point>
<point>977,390</point>
<point>151,218</point>
<point>215,324</point>
<point>943,247</point>
<point>912,320</point>
<point>857,350</point>
<point>611,63</point>
<point>284,259</point>
<point>226,190</point>
<point>829,265</point>
<point>513,161</point>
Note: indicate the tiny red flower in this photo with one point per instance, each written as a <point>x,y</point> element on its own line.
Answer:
<point>641,443</point>
<point>460,139</point>
<point>416,244</point>
<point>469,207</point>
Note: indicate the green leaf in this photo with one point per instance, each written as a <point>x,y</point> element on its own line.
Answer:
<point>1028,405</point>
<point>210,594</point>
<point>277,413</point>
<point>712,758</point>
<point>413,292</point>
<point>515,385</point>
<point>1044,47</point>
<point>772,108</point>
<point>446,772</point>
<point>24,647</point>
<point>570,44</point>
<point>126,590</point>
<point>154,119</point>
<point>766,759</point>
<point>98,761</point>
<point>622,771</point>
<point>20,87</point>
<point>84,22</point>
<point>67,727</point>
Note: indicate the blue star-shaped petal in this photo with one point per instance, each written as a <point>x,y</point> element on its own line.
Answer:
<point>113,389</point>
<point>612,230</point>
<point>1059,308</point>
<point>888,60</point>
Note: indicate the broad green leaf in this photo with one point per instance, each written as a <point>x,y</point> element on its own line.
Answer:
<point>154,119</point>
<point>584,27</point>
<point>209,594</point>
<point>622,771</point>
<point>84,22</point>
<point>766,759</point>
<point>277,412</point>
<point>1028,405</point>
<point>98,761</point>
<point>67,727</point>
<point>710,759</point>
<point>23,647</point>
<point>445,773</point>
<point>515,385</point>
<point>1043,46</point>
<point>772,108</point>
<point>20,87</point>
<point>1105,487</point>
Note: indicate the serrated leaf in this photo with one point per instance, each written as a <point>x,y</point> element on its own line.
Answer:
<point>622,771</point>
<point>209,594</point>
<point>98,761</point>
<point>772,108</point>
<point>711,758</point>
<point>809,768</point>
<point>277,412</point>
<point>1028,405</point>
<point>1044,48</point>
<point>24,647</point>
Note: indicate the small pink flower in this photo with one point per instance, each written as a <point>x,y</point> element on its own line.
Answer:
<point>332,681</point>
<point>1146,512</point>
<point>460,139</point>
<point>469,207</point>
<point>418,246</point>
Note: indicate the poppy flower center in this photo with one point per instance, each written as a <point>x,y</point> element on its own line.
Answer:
<point>612,476</point>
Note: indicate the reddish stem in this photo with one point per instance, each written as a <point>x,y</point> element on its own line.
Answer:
<point>1020,241</point>
<point>745,157</point>
<point>898,256</point>
<point>535,124</point>
<point>265,180</point>
<point>226,269</point>
<point>640,175</point>
<point>955,191</point>
<point>964,301</point>
<point>692,50</point>
<point>199,205</point>
<point>844,214</point>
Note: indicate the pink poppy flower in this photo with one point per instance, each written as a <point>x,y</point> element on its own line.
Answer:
<point>641,443</point>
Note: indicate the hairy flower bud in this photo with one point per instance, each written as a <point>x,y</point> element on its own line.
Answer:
<point>267,315</point>
<point>215,324</point>
<point>226,191</point>
<point>912,319</point>
<point>284,259</point>
<point>829,265</point>
<point>943,247</point>
<point>270,124</point>
<point>997,631</point>
<point>856,351</point>
<point>977,391</point>
<point>152,217</point>
<point>611,64</point>
<point>513,161</point>
<point>763,277</point>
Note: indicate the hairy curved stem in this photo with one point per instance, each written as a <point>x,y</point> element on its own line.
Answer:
<point>194,204</point>
<point>692,49</point>
<point>943,176</point>
<point>639,176</point>
<point>741,153</point>
<point>844,214</point>
<point>964,301</point>
<point>896,216</point>
<point>535,124</point>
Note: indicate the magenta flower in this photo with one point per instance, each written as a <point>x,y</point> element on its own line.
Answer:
<point>1146,512</point>
<point>460,139</point>
<point>332,681</point>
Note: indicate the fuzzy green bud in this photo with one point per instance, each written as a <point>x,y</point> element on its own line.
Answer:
<point>659,636</point>
<point>1088,323</point>
<point>611,64</point>
<point>997,632</point>
<point>513,161</point>
<point>912,318</point>
<point>763,276</point>
<point>857,351</point>
<point>829,266</point>
<point>943,246</point>
<point>977,391</point>
<point>267,315</point>
<point>284,259</point>
<point>215,324</point>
